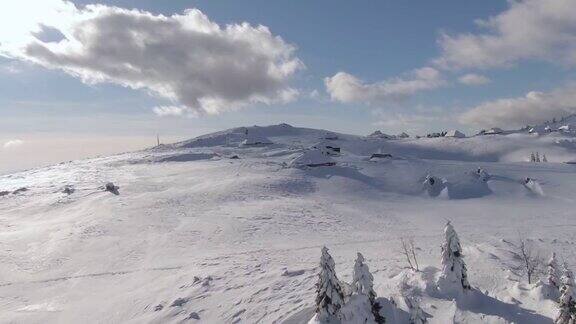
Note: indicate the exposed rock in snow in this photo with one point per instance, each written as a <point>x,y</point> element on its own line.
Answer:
<point>68,189</point>
<point>312,158</point>
<point>328,148</point>
<point>482,175</point>
<point>433,185</point>
<point>377,156</point>
<point>455,133</point>
<point>493,131</point>
<point>403,135</point>
<point>379,134</point>
<point>186,157</point>
<point>330,136</point>
<point>111,187</point>
<point>19,190</point>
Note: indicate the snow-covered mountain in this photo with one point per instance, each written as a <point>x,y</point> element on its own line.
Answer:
<point>565,125</point>
<point>228,227</point>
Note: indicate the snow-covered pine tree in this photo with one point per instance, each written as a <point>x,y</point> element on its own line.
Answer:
<point>453,266</point>
<point>567,277</point>
<point>553,279</point>
<point>329,298</point>
<point>532,157</point>
<point>566,304</point>
<point>363,285</point>
<point>537,157</point>
<point>544,159</point>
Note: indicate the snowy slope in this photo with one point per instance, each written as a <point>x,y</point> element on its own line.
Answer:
<point>198,235</point>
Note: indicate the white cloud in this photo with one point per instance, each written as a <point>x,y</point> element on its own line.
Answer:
<point>347,88</point>
<point>529,29</point>
<point>420,119</point>
<point>9,68</point>
<point>534,107</point>
<point>185,58</point>
<point>473,79</point>
<point>13,143</point>
<point>163,111</point>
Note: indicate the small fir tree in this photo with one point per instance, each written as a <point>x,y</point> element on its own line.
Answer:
<point>363,284</point>
<point>453,266</point>
<point>544,159</point>
<point>566,304</point>
<point>329,298</point>
<point>553,279</point>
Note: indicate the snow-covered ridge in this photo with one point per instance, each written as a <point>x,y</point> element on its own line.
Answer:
<point>218,229</point>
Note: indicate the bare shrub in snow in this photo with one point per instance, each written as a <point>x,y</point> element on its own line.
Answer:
<point>409,251</point>
<point>530,259</point>
<point>417,315</point>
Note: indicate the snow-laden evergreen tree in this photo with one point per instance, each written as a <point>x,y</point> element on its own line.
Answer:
<point>329,298</point>
<point>566,304</point>
<point>567,277</point>
<point>537,157</point>
<point>544,159</point>
<point>532,157</point>
<point>553,278</point>
<point>453,266</point>
<point>363,287</point>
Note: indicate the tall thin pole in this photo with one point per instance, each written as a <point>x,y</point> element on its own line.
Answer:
<point>158,139</point>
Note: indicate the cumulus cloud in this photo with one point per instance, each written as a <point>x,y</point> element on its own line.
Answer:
<point>347,88</point>
<point>421,118</point>
<point>529,29</point>
<point>535,107</point>
<point>163,111</point>
<point>185,58</point>
<point>473,79</point>
<point>13,143</point>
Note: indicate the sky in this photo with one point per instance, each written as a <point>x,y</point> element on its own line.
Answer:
<point>85,78</point>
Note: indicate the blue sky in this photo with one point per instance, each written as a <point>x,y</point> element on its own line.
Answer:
<point>347,66</point>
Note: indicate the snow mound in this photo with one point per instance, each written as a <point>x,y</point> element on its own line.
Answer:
<point>253,138</point>
<point>235,136</point>
<point>533,186</point>
<point>455,133</point>
<point>186,157</point>
<point>312,158</point>
<point>468,186</point>
<point>565,125</point>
